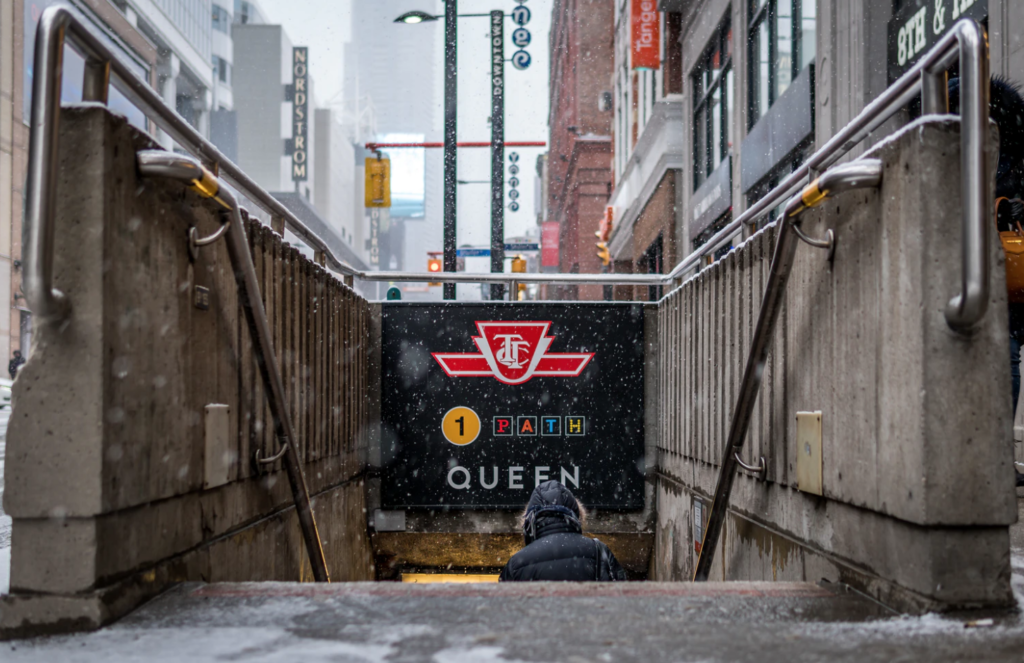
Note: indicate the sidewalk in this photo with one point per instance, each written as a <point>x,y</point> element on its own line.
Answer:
<point>570,622</point>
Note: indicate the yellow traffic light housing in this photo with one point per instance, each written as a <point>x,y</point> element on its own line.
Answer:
<point>434,266</point>
<point>603,253</point>
<point>519,265</point>
<point>377,182</point>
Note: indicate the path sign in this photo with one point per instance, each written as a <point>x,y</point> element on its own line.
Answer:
<point>521,15</point>
<point>521,37</point>
<point>521,59</point>
<point>482,402</point>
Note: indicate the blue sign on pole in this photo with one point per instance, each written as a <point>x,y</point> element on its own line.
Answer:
<point>472,253</point>
<point>521,15</point>
<point>521,37</point>
<point>521,59</point>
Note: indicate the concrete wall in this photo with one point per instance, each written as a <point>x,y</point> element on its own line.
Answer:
<point>916,443</point>
<point>117,483</point>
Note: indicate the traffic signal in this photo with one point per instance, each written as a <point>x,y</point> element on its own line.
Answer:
<point>434,267</point>
<point>603,253</point>
<point>519,265</point>
<point>377,182</point>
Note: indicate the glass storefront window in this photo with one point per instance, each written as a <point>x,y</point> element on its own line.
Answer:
<point>781,42</point>
<point>712,101</point>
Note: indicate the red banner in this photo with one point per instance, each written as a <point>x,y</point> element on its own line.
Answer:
<point>549,231</point>
<point>646,34</point>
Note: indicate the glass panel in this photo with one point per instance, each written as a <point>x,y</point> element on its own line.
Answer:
<point>715,64</point>
<point>715,110</point>
<point>807,33</point>
<point>783,47</point>
<point>698,88</point>
<point>763,72</point>
<point>699,148</point>
<point>727,108</point>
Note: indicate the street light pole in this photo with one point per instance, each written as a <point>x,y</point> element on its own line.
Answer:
<point>497,149</point>
<point>451,69</point>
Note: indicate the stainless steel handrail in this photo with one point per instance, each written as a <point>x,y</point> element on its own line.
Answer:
<point>49,304</point>
<point>61,23</point>
<point>968,42</point>
<point>859,174</point>
<point>158,163</point>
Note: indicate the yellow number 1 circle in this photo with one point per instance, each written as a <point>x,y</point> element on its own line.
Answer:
<point>460,425</point>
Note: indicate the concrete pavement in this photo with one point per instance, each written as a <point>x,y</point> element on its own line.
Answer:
<point>641,622</point>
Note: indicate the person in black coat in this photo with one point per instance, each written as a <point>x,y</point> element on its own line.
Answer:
<point>555,546</point>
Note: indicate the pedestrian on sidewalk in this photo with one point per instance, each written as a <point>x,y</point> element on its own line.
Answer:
<point>15,363</point>
<point>555,546</point>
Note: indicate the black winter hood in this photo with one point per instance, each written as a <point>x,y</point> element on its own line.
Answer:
<point>550,501</point>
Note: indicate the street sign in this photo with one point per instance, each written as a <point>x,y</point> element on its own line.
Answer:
<point>521,37</point>
<point>472,253</point>
<point>482,402</point>
<point>521,59</point>
<point>521,15</point>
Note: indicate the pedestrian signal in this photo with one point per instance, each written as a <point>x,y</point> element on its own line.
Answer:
<point>603,253</point>
<point>519,265</point>
<point>377,182</point>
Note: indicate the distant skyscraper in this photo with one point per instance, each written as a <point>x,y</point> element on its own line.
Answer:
<point>398,67</point>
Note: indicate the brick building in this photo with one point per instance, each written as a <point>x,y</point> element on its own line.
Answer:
<point>648,144</point>
<point>580,147</point>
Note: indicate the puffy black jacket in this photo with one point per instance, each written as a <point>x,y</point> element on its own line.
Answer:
<point>556,549</point>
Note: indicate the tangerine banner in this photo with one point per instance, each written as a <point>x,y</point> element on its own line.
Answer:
<point>646,34</point>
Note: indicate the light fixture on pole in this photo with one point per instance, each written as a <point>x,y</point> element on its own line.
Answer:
<point>414,17</point>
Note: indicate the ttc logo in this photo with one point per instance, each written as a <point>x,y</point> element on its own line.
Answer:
<point>513,352</point>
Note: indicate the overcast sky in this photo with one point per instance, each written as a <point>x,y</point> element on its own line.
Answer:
<point>324,26</point>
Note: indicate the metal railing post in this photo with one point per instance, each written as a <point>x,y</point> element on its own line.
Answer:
<point>860,174</point>
<point>158,163</point>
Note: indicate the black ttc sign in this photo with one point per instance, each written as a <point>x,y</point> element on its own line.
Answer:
<point>482,402</point>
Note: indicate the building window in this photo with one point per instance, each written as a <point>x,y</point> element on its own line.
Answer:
<point>222,70</point>
<point>712,100</point>
<point>653,262</point>
<point>781,43</point>
<point>673,72</point>
<point>221,19</point>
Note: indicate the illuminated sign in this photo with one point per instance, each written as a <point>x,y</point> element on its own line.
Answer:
<point>550,392</point>
<point>513,353</point>
<point>645,44</point>
<point>300,114</point>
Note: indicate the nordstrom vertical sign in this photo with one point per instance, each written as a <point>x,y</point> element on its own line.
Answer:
<point>646,34</point>
<point>300,113</point>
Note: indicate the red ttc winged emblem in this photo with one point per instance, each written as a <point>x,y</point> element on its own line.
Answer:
<point>513,352</point>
